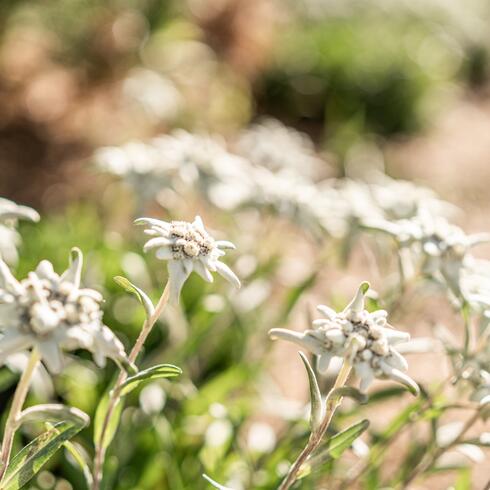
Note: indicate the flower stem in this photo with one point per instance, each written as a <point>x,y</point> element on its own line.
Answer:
<point>15,410</point>
<point>332,403</point>
<point>115,394</point>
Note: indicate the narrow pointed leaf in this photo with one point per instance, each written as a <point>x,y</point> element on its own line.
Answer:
<point>343,440</point>
<point>79,458</point>
<point>139,293</point>
<point>317,408</point>
<point>29,461</point>
<point>155,372</point>
<point>335,447</point>
<point>53,412</point>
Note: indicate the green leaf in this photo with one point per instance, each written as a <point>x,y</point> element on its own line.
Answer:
<point>139,293</point>
<point>336,445</point>
<point>32,458</point>
<point>463,482</point>
<point>155,372</point>
<point>79,458</point>
<point>316,403</point>
<point>113,422</point>
<point>343,440</point>
<point>54,412</point>
<point>215,484</point>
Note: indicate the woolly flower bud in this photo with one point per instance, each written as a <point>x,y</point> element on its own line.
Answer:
<point>358,336</point>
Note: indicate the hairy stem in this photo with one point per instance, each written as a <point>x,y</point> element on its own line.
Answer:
<point>332,402</point>
<point>15,410</point>
<point>115,395</point>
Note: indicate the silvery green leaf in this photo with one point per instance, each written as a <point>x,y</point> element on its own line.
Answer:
<point>317,406</point>
<point>215,484</point>
<point>53,412</point>
<point>139,293</point>
<point>344,439</point>
<point>155,372</point>
<point>337,444</point>
<point>29,460</point>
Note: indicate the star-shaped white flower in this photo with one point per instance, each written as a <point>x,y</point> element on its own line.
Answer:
<point>52,313</point>
<point>187,247</point>
<point>364,339</point>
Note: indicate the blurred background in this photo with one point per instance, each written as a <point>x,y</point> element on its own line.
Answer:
<point>376,85</point>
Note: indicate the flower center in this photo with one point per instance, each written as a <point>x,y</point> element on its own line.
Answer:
<point>190,242</point>
<point>49,306</point>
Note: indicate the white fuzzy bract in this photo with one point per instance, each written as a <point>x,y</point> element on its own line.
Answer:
<point>53,314</point>
<point>187,247</point>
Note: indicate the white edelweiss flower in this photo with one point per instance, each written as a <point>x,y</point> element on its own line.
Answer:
<point>187,247</point>
<point>298,199</point>
<point>10,212</point>
<point>181,161</point>
<point>273,145</point>
<point>52,313</point>
<point>402,199</point>
<point>442,246</point>
<point>365,339</point>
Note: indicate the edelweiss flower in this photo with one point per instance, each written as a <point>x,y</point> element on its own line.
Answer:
<point>52,313</point>
<point>442,245</point>
<point>364,339</point>
<point>273,145</point>
<point>9,238</point>
<point>181,161</point>
<point>187,247</point>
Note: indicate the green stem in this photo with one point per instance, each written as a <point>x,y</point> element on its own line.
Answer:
<point>332,403</point>
<point>15,410</point>
<point>115,395</point>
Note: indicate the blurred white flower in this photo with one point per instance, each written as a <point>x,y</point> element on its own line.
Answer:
<point>441,245</point>
<point>152,398</point>
<point>181,161</point>
<point>402,199</point>
<point>299,200</point>
<point>218,433</point>
<point>10,212</point>
<point>273,145</point>
<point>187,247</point>
<point>365,339</point>
<point>52,313</point>
<point>158,95</point>
<point>261,438</point>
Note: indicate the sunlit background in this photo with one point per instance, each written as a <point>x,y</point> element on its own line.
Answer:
<point>111,110</point>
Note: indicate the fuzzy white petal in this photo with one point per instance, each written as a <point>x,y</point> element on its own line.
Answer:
<point>227,273</point>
